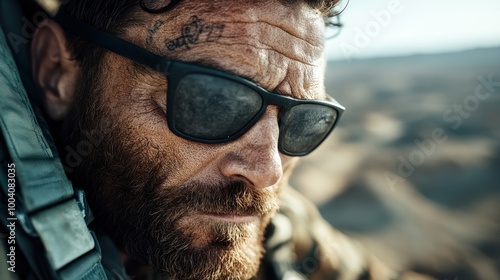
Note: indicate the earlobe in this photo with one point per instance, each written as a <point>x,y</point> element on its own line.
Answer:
<point>54,69</point>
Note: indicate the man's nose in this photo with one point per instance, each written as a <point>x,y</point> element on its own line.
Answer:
<point>254,157</point>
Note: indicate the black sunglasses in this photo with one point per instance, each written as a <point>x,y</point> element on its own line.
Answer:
<point>212,106</point>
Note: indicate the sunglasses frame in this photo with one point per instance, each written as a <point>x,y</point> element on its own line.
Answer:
<point>175,70</point>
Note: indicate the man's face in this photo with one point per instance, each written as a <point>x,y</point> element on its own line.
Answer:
<point>195,211</point>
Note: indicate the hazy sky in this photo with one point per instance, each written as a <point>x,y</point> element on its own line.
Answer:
<point>399,27</point>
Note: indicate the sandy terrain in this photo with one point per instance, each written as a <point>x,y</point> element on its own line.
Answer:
<point>413,170</point>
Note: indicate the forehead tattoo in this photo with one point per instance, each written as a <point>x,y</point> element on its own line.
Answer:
<point>152,31</point>
<point>195,31</point>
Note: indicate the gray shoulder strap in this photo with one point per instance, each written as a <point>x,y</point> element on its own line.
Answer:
<point>45,212</point>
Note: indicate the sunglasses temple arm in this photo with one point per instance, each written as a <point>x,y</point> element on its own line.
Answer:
<point>113,43</point>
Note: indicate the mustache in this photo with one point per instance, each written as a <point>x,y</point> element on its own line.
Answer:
<point>229,198</point>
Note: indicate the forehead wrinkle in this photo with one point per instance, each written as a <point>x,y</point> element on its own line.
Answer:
<point>298,20</point>
<point>265,35</point>
<point>259,37</point>
<point>273,35</point>
<point>264,47</point>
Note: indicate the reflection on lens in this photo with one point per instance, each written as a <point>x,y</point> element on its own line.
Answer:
<point>213,108</point>
<point>306,126</point>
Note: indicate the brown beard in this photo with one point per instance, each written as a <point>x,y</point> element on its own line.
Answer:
<point>124,183</point>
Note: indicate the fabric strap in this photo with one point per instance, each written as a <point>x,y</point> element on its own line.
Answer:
<point>47,213</point>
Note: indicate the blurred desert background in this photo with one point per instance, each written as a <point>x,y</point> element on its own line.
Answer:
<point>414,200</point>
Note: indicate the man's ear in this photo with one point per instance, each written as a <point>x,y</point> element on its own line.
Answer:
<point>54,69</point>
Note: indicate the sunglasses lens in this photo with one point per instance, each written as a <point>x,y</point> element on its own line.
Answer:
<point>213,108</point>
<point>305,127</point>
